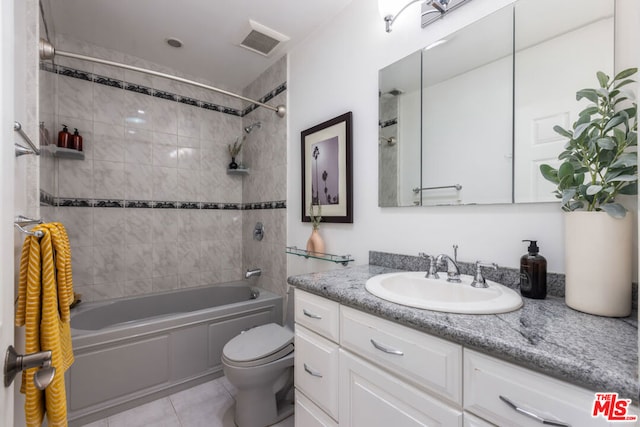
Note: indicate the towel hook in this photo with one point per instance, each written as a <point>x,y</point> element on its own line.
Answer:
<point>14,363</point>
<point>21,150</point>
<point>21,221</point>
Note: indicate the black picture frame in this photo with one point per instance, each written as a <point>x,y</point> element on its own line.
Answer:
<point>327,174</point>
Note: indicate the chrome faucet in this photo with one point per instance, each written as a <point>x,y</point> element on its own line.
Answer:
<point>479,280</point>
<point>453,272</point>
<point>432,273</point>
<point>253,272</point>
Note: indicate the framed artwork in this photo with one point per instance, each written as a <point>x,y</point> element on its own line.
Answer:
<point>327,177</point>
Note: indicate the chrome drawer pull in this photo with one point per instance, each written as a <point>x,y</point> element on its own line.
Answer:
<point>386,349</point>
<point>313,316</point>
<point>532,415</point>
<point>312,372</point>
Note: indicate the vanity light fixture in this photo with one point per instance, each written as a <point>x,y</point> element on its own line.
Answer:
<point>431,10</point>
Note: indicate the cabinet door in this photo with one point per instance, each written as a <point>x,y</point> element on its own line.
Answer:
<point>316,369</point>
<point>370,397</point>
<point>307,414</point>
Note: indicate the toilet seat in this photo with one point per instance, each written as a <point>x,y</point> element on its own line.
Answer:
<point>258,346</point>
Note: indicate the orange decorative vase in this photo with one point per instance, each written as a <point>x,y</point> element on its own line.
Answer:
<point>315,244</point>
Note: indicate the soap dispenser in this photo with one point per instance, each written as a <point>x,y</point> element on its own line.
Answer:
<point>64,138</point>
<point>533,273</point>
<point>76,140</point>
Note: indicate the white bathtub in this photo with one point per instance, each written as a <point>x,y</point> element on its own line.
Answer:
<point>129,351</point>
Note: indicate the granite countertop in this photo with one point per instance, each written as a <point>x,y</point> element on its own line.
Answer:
<point>598,353</point>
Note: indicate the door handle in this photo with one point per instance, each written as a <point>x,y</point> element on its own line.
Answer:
<point>14,363</point>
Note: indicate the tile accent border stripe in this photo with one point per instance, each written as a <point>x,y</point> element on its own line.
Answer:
<point>388,123</point>
<point>144,90</point>
<point>48,200</point>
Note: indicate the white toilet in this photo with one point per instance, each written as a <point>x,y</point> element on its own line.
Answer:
<point>259,363</point>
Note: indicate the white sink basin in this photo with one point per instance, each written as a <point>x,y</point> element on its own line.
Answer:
<point>414,290</point>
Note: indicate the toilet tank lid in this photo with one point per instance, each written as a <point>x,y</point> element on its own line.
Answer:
<point>258,343</point>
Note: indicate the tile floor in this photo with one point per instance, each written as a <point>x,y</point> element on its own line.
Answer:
<point>207,405</point>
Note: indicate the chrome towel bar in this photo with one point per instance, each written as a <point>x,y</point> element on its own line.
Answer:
<point>458,187</point>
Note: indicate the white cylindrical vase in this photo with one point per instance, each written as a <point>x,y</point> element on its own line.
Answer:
<point>598,263</point>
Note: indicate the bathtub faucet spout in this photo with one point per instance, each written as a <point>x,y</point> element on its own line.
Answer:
<point>253,272</point>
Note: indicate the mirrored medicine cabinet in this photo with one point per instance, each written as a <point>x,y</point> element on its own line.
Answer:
<point>469,119</point>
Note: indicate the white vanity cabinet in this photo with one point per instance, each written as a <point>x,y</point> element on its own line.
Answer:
<point>354,369</point>
<point>370,396</point>
<point>408,378</point>
<point>316,360</point>
<point>428,362</point>
<point>489,384</point>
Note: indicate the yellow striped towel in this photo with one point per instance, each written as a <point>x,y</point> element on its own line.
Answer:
<point>44,294</point>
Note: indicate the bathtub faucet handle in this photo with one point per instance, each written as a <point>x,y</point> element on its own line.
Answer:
<point>253,272</point>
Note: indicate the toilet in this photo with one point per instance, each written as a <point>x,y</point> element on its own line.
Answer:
<point>259,363</point>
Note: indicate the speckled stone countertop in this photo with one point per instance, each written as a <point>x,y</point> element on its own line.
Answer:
<point>598,353</point>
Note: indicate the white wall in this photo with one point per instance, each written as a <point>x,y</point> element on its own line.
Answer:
<point>336,70</point>
<point>26,173</point>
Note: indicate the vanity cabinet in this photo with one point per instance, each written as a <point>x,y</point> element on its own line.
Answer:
<point>470,420</point>
<point>307,414</point>
<point>316,361</point>
<point>354,369</point>
<point>316,369</point>
<point>427,362</point>
<point>487,381</point>
<point>371,396</point>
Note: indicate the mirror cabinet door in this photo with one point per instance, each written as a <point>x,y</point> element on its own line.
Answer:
<point>469,119</point>
<point>467,84</point>
<point>557,54</point>
<point>399,131</point>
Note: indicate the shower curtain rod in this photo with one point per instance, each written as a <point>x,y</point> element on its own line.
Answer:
<point>47,51</point>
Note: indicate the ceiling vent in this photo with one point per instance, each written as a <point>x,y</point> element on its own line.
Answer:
<point>261,39</point>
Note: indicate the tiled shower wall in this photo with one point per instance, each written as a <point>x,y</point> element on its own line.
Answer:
<point>265,153</point>
<point>152,207</point>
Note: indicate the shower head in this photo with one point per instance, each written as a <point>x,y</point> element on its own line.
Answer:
<point>249,128</point>
<point>392,92</point>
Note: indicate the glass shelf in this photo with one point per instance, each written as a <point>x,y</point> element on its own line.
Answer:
<point>238,171</point>
<point>338,259</point>
<point>64,153</point>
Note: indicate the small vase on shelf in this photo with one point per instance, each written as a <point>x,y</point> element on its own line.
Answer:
<point>315,244</point>
<point>234,150</point>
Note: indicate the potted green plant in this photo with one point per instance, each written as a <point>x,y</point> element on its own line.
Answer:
<point>598,164</point>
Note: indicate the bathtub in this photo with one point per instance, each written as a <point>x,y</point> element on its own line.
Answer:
<point>130,351</point>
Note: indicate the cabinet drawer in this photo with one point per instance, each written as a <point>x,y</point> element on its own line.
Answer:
<point>429,362</point>
<point>372,397</point>
<point>316,369</point>
<point>487,378</point>
<point>317,313</point>
<point>307,414</point>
